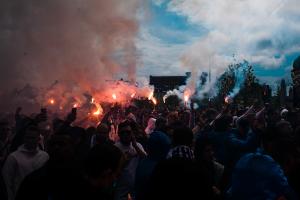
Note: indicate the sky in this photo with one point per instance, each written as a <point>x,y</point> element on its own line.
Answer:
<point>197,35</point>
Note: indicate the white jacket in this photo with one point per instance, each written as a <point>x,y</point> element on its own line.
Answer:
<point>18,165</point>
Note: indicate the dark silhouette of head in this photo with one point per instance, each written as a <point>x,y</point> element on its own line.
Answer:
<point>103,165</point>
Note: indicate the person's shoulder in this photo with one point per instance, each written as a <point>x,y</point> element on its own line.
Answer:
<point>43,153</point>
<point>118,144</point>
<point>255,159</point>
<point>218,165</point>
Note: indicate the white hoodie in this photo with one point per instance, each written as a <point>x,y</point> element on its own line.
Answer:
<point>18,165</point>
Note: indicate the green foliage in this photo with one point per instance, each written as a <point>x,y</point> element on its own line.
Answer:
<point>250,90</point>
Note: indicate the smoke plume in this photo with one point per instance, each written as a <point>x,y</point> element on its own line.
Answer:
<point>79,44</point>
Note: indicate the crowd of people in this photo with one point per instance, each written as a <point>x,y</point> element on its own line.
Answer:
<point>236,154</point>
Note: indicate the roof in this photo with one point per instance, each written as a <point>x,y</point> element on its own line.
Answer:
<point>168,80</point>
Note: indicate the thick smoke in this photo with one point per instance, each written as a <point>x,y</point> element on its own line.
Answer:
<point>76,43</point>
<point>261,32</point>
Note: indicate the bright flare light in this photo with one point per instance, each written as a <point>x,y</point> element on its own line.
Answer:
<point>150,95</point>
<point>133,95</point>
<point>186,98</point>
<point>52,101</point>
<point>154,101</point>
<point>228,99</point>
<point>98,112</point>
<point>114,96</point>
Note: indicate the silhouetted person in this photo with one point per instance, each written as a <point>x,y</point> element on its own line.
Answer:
<point>22,162</point>
<point>59,179</point>
<point>133,152</point>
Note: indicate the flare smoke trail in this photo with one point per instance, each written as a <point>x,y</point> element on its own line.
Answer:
<point>239,74</point>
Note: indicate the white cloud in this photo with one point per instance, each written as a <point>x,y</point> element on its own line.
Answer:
<point>251,29</point>
<point>158,57</point>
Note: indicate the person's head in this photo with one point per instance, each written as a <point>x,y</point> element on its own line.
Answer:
<point>103,129</point>
<point>204,149</point>
<point>57,124</point>
<point>31,138</point>
<point>60,149</point>
<point>161,124</point>
<point>243,126</point>
<point>158,145</point>
<point>284,113</point>
<point>77,134</point>
<point>223,123</point>
<point>284,128</point>
<point>103,165</point>
<point>125,133</point>
<point>183,136</point>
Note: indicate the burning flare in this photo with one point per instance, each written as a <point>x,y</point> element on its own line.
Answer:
<point>99,110</point>
<point>154,101</point>
<point>186,98</point>
<point>228,99</point>
<point>150,95</point>
<point>133,95</point>
<point>114,96</point>
<point>52,101</point>
<point>75,105</point>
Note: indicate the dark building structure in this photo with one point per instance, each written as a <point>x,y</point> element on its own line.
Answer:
<point>296,82</point>
<point>163,84</point>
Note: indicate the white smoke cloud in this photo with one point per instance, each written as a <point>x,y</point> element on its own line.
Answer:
<point>262,32</point>
<point>251,29</point>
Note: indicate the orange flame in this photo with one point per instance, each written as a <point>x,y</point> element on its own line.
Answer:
<point>98,112</point>
<point>75,105</point>
<point>228,99</point>
<point>154,101</point>
<point>52,101</point>
<point>150,95</point>
<point>186,98</point>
